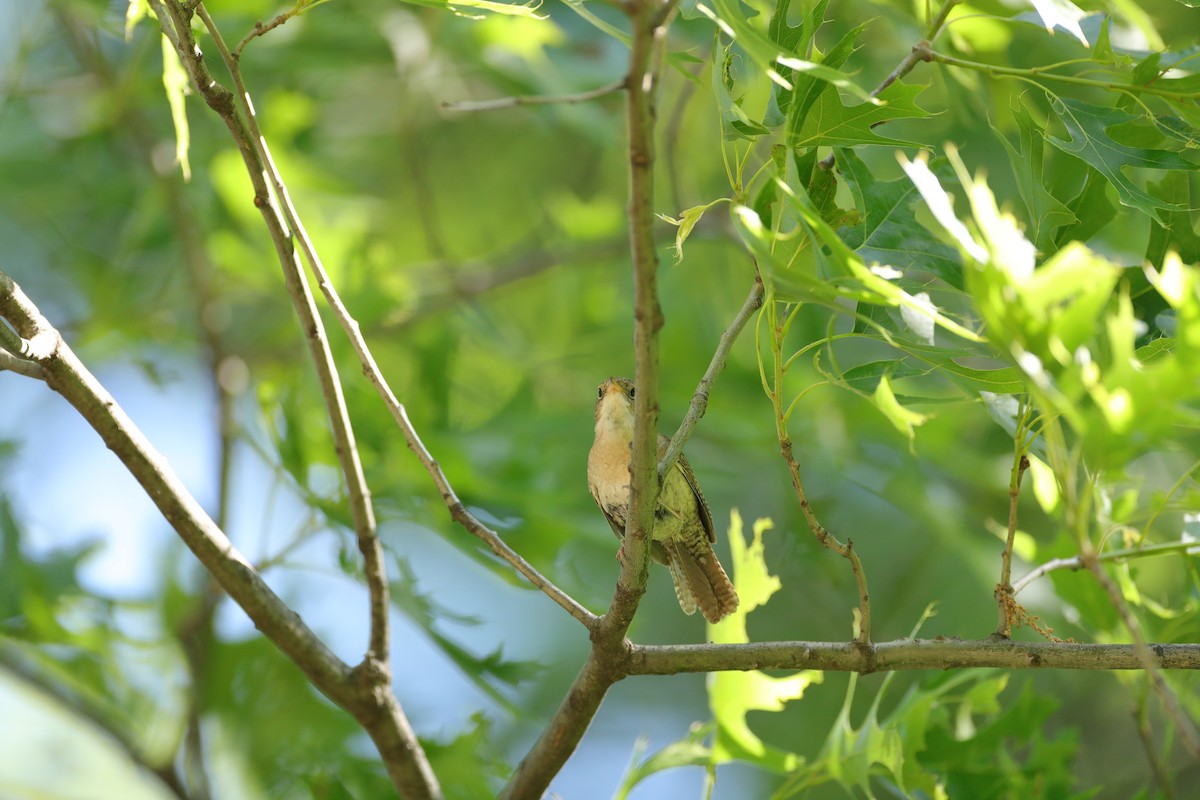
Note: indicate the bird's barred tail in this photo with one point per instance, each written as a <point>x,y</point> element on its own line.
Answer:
<point>700,581</point>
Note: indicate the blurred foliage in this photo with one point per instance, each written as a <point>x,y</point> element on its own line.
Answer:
<point>1035,241</point>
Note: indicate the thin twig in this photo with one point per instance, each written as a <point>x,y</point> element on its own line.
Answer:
<point>1076,563</point>
<point>1145,655</point>
<point>366,692</point>
<point>260,29</point>
<point>283,219</point>
<point>66,375</point>
<point>916,55</point>
<point>824,537</point>
<point>465,106</point>
<point>30,369</point>
<point>699,402</point>
<point>609,647</point>
<point>458,511</point>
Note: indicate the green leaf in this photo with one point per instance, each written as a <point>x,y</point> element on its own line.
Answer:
<point>1176,231</point>
<point>1091,208</point>
<point>690,751</point>
<point>1046,213</point>
<point>808,88</point>
<point>733,695</point>
<point>1090,141</point>
<point>136,11</point>
<point>686,222</point>
<point>830,123</point>
<point>768,54</point>
<point>854,280</point>
<point>889,232</point>
<point>903,419</point>
<point>175,81</point>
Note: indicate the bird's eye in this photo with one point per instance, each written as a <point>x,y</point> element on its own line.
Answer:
<point>600,392</point>
<point>632,391</point>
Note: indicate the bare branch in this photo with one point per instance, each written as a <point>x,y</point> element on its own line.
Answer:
<point>1076,563</point>
<point>699,402</point>
<point>919,53</point>
<point>464,106</point>
<point>373,704</point>
<point>30,369</point>
<point>258,163</point>
<point>260,29</point>
<point>373,563</point>
<point>903,654</point>
<point>609,647</point>
<point>1145,655</point>
<point>823,536</point>
<point>68,376</point>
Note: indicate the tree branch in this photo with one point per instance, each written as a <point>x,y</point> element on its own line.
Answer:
<point>699,403</point>
<point>609,647</point>
<point>534,100</point>
<point>373,562</point>
<point>903,654</point>
<point>823,536</point>
<point>30,369</point>
<point>919,53</point>
<point>280,224</point>
<point>67,375</point>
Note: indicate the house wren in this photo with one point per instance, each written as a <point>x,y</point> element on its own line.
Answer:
<point>683,529</point>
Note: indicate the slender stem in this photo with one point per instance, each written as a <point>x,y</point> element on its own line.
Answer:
<point>366,691</point>
<point>1034,73</point>
<point>605,663</point>
<point>824,537</point>
<point>910,60</point>
<point>699,402</point>
<point>12,363</point>
<point>1004,590</point>
<point>353,331</point>
<point>535,100</point>
<point>285,219</point>
<point>1076,562</point>
<point>260,29</point>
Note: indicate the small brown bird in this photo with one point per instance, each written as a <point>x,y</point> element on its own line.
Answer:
<point>683,528</point>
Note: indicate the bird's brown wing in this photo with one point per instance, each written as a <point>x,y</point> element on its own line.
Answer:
<point>684,467</point>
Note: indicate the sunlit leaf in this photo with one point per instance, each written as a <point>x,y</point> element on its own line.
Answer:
<point>175,81</point>
<point>732,695</point>
<point>889,232</point>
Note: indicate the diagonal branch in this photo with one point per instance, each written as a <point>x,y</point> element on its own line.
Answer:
<point>609,646</point>
<point>372,553</point>
<point>699,403</point>
<point>373,703</point>
<point>257,161</point>
<point>67,376</point>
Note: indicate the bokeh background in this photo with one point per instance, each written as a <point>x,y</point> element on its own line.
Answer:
<point>484,256</point>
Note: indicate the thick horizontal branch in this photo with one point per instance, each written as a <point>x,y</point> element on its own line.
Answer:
<point>902,654</point>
